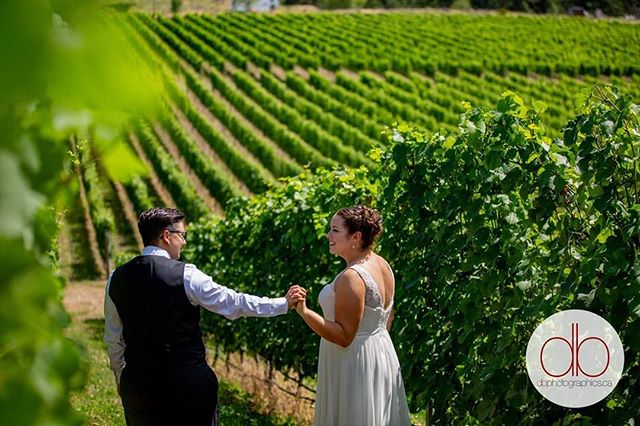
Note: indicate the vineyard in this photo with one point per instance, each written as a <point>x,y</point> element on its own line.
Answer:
<point>268,123</point>
<point>253,98</point>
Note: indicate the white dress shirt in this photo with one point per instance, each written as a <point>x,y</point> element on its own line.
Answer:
<point>202,291</point>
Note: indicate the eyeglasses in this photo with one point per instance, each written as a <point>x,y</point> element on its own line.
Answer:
<point>183,234</point>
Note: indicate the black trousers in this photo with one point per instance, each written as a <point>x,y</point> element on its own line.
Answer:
<point>178,396</point>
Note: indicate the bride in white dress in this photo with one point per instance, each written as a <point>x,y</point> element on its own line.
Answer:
<point>359,377</point>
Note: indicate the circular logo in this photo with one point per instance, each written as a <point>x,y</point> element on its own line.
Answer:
<point>575,358</point>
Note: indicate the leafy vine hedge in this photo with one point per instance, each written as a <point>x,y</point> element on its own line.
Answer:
<point>490,229</point>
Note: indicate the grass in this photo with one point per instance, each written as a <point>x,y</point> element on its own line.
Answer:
<point>100,404</point>
<point>236,409</point>
<point>98,401</point>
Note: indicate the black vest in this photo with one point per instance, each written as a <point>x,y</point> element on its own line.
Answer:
<point>161,328</point>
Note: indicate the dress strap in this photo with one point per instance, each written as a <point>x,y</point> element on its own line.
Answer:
<point>393,277</point>
<point>373,297</point>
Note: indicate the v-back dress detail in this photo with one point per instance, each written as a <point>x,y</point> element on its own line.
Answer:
<point>362,383</point>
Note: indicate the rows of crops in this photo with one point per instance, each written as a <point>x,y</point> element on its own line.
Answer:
<point>487,238</point>
<point>251,99</point>
<point>426,43</point>
<point>254,98</point>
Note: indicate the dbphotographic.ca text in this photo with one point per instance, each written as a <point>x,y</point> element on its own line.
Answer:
<point>573,383</point>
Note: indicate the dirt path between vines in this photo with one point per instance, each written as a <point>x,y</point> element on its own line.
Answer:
<point>85,300</point>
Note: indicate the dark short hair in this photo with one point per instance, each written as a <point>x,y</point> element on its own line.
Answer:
<point>153,221</point>
<point>364,219</point>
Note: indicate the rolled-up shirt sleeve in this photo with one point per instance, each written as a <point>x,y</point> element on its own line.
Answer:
<point>202,290</point>
<point>113,334</point>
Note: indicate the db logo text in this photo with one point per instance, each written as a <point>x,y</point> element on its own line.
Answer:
<point>574,367</point>
<point>575,358</point>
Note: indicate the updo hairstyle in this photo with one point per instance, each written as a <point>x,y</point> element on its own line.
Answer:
<point>364,219</point>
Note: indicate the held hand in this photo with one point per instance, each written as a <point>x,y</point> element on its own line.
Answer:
<point>295,295</point>
<point>301,307</point>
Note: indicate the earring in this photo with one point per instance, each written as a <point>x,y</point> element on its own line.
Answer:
<point>352,246</point>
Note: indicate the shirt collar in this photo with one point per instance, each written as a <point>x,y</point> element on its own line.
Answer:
<point>155,251</point>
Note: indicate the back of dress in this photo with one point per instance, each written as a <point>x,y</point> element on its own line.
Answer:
<point>375,316</point>
<point>362,383</point>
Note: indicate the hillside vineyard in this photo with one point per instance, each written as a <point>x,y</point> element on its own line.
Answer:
<point>251,98</point>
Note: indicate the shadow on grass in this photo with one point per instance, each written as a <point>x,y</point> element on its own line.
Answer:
<point>95,329</point>
<point>236,408</point>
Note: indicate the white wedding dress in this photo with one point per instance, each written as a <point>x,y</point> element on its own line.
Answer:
<point>362,383</point>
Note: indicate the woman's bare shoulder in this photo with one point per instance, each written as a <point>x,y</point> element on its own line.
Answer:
<point>349,280</point>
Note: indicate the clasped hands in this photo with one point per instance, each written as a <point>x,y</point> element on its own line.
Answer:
<point>296,297</point>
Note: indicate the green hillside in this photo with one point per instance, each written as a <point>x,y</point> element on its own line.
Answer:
<point>251,98</point>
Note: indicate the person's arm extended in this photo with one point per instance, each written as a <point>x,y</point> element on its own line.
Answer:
<point>202,290</point>
<point>113,336</point>
<point>349,309</point>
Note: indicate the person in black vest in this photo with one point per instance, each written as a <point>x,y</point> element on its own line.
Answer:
<point>152,327</point>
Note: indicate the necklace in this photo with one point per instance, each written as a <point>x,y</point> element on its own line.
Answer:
<point>359,260</point>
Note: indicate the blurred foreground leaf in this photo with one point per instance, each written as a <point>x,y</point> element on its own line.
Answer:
<point>65,69</point>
